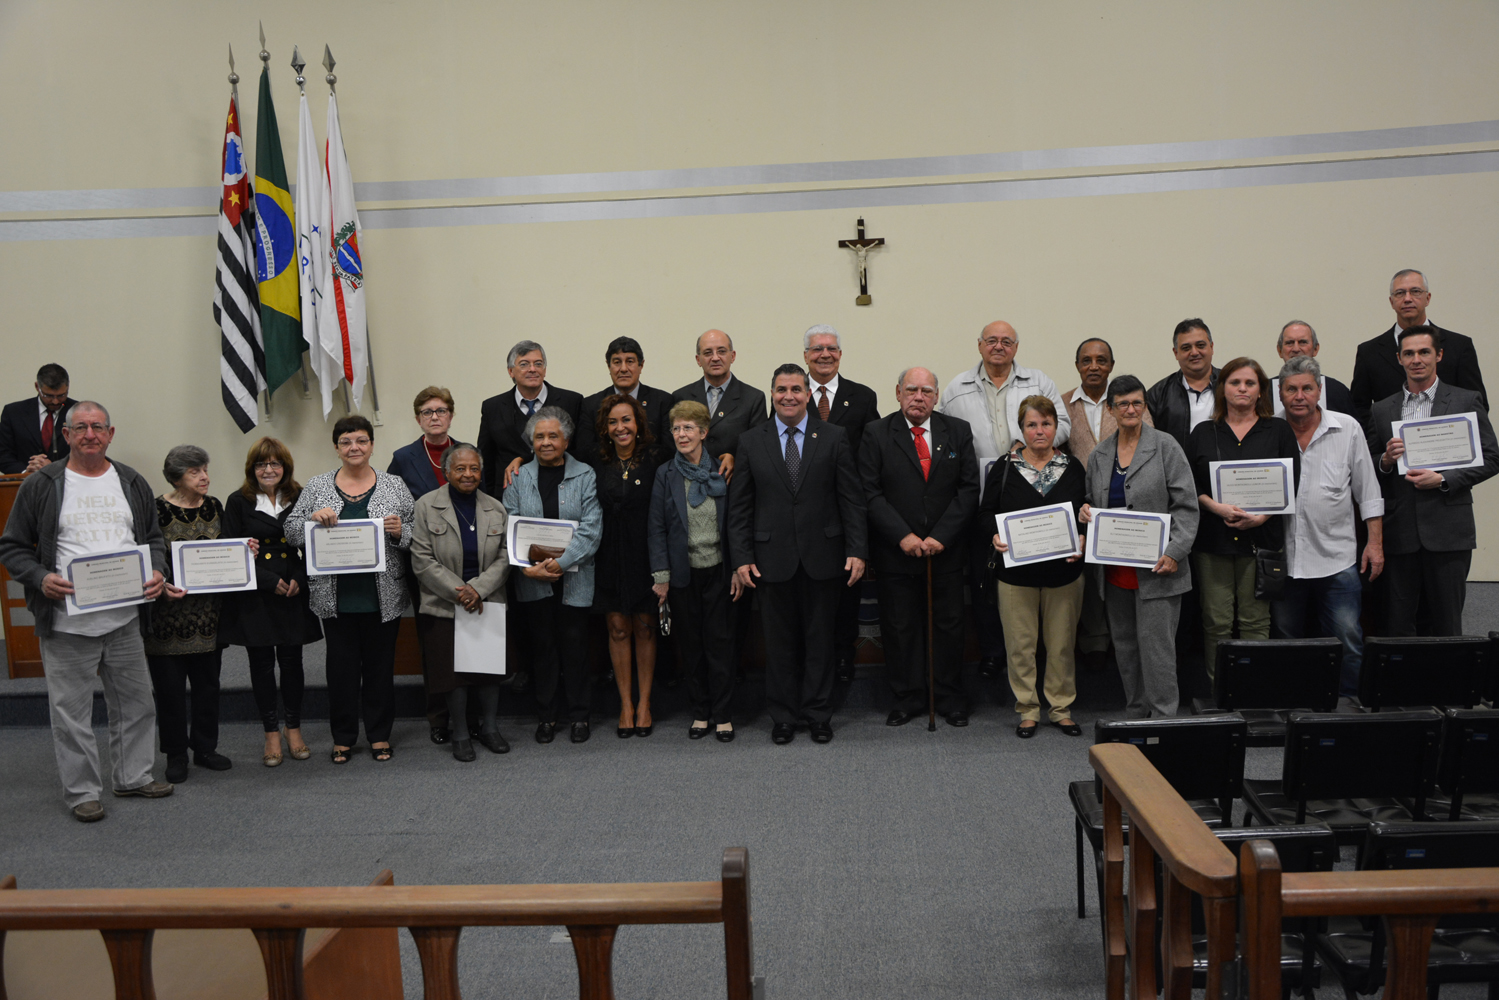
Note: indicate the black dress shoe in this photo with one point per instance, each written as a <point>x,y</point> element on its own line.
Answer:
<point>580,732</point>
<point>213,761</point>
<point>494,742</point>
<point>822,732</point>
<point>1069,728</point>
<point>989,667</point>
<point>845,669</point>
<point>899,717</point>
<point>440,735</point>
<point>724,735</point>
<point>1026,732</point>
<point>782,732</point>
<point>959,719</point>
<point>696,732</point>
<point>545,731</point>
<point>464,750</point>
<point>176,768</point>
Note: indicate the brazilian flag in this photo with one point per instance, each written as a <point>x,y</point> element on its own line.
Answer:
<point>275,249</point>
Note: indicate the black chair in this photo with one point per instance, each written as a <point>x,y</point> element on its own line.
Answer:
<point>1349,771</point>
<point>1446,671</point>
<point>1308,848</point>
<point>1464,949</point>
<point>1491,682</point>
<point>1201,756</point>
<point>1264,680</point>
<point>1468,774</point>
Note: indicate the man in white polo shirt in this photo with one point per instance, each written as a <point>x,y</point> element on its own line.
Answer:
<point>90,504</point>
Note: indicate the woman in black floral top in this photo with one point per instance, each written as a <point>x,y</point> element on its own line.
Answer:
<point>182,646</point>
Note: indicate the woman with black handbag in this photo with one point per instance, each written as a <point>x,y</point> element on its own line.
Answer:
<point>1232,542</point>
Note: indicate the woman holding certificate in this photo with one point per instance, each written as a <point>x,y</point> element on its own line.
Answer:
<point>357,586</point>
<point>1040,586</point>
<point>1135,475</point>
<point>556,524</point>
<point>1246,464</point>
<point>182,645</point>
<point>274,621</point>
<point>458,556</point>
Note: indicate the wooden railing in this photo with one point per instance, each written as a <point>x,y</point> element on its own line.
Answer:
<point>435,916</point>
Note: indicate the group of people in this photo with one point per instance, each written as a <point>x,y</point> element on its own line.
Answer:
<point>687,505</point>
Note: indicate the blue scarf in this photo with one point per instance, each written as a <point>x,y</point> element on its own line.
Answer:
<point>703,480</point>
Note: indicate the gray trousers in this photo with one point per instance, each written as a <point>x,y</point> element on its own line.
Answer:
<point>118,658</point>
<point>1145,646</point>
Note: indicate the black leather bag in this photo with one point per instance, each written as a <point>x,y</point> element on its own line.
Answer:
<point>1270,574</point>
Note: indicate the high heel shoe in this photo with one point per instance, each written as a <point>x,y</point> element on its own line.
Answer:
<point>624,732</point>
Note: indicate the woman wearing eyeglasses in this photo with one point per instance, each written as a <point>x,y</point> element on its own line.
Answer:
<point>274,621</point>
<point>361,612</point>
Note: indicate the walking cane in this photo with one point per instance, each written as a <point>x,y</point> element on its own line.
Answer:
<point>931,685</point>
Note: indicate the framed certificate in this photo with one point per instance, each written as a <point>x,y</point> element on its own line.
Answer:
<point>103,580</point>
<point>213,566</point>
<point>1127,538</point>
<point>354,546</point>
<point>523,532</point>
<point>1038,534</point>
<point>1436,443</point>
<point>1259,486</point>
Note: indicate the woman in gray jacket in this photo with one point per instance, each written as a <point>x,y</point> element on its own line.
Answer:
<point>1140,468</point>
<point>458,557</point>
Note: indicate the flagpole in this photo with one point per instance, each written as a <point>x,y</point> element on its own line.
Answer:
<point>265,62</point>
<point>297,64</point>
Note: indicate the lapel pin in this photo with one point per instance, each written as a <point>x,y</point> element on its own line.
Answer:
<point>814,433</point>
<point>845,402</point>
<point>720,413</point>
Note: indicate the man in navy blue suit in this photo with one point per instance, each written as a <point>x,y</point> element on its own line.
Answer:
<point>31,434</point>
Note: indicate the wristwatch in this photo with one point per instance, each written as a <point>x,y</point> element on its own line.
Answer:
<point>1443,485</point>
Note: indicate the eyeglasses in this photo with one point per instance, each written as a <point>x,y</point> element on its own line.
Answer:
<point>358,442</point>
<point>81,428</point>
<point>526,366</point>
<point>1128,404</point>
<point>1008,345</point>
<point>436,411</point>
<point>824,350</point>
<point>262,466</point>
<point>1414,293</point>
<point>54,397</point>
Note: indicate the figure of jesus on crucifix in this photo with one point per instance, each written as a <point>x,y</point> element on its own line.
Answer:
<point>861,246</point>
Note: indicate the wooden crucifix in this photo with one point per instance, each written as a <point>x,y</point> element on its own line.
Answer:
<point>861,246</point>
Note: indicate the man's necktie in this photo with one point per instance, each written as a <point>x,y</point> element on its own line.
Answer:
<point>923,452</point>
<point>793,459</point>
<point>822,402</point>
<point>715,393</point>
<point>530,405</point>
<point>47,432</point>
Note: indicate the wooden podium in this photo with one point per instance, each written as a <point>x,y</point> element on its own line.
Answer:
<point>23,654</point>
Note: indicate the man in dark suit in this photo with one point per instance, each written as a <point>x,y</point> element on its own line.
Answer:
<point>1377,369</point>
<point>31,434</point>
<point>848,404</point>
<point>1429,535</point>
<point>626,360</point>
<point>733,406</point>
<point>1297,340</point>
<point>796,527</point>
<point>502,418</point>
<point>921,481</point>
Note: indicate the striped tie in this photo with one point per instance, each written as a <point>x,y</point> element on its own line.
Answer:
<point>793,459</point>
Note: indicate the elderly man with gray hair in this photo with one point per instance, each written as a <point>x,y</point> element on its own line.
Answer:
<point>502,419</point>
<point>1323,596</point>
<point>1298,339</point>
<point>86,506</point>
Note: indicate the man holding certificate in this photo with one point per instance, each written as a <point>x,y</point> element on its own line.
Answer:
<point>84,541</point>
<point>1432,443</point>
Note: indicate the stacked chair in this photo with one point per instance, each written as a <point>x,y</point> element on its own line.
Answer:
<point>1265,680</point>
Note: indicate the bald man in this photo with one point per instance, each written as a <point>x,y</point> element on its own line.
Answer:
<point>733,406</point>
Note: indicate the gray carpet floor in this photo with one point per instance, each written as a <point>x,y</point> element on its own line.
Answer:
<point>890,863</point>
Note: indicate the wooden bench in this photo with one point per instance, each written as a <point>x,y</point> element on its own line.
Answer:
<point>435,915</point>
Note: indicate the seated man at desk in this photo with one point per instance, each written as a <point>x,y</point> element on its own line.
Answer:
<point>31,429</point>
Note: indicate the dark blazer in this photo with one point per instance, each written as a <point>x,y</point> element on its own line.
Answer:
<point>1377,372</point>
<point>816,527</point>
<point>901,502</point>
<point>21,435</point>
<point>741,408</point>
<point>1433,520</point>
<point>666,530</point>
<point>657,403</point>
<point>502,426</point>
<point>1159,480</point>
<point>852,408</point>
<point>412,464</point>
<point>1169,410</point>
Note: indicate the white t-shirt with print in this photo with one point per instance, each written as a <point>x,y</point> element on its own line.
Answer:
<point>94,517</point>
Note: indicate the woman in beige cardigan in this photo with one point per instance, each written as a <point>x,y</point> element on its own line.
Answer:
<point>458,556</point>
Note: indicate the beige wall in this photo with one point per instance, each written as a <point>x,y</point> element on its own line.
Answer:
<point>129,96</point>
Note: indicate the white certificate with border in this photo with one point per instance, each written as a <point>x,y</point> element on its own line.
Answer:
<point>353,546</point>
<point>1255,486</point>
<point>523,532</point>
<point>103,580</point>
<point>212,566</point>
<point>1127,538</point>
<point>479,639</point>
<point>1038,534</point>
<point>1436,443</point>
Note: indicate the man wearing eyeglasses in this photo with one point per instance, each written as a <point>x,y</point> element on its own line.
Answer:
<point>31,434</point>
<point>850,405</point>
<point>1377,372</point>
<point>502,419</point>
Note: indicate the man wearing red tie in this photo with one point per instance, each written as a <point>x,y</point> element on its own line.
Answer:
<point>921,482</point>
<point>31,434</point>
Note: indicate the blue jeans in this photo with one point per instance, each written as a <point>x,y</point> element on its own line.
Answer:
<point>1334,603</point>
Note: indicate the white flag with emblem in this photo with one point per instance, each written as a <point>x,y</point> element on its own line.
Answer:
<point>341,327</point>
<point>312,253</point>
